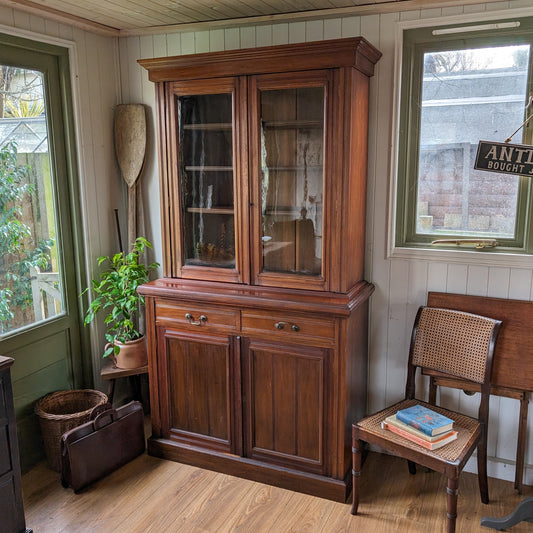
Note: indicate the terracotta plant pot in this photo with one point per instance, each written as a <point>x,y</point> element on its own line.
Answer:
<point>132,354</point>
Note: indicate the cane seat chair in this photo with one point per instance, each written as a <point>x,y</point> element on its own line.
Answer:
<point>457,344</point>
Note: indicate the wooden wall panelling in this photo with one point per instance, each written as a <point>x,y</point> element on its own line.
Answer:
<point>280,33</point>
<point>377,267</point>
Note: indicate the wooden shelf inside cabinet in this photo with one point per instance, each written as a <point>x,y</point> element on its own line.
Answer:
<point>282,212</point>
<point>211,263</point>
<point>207,168</point>
<point>208,127</point>
<point>211,211</point>
<point>292,168</point>
<point>293,124</point>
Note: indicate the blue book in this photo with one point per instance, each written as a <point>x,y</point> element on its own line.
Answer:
<point>425,420</point>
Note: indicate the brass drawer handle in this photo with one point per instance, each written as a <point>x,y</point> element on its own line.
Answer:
<point>281,325</point>
<point>192,322</point>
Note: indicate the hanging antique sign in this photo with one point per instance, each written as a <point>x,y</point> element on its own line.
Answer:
<point>504,158</point>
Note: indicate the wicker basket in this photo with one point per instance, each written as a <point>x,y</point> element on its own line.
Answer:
<point>63,410</point>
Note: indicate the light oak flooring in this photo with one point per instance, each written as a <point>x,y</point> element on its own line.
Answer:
<point>150,494</point>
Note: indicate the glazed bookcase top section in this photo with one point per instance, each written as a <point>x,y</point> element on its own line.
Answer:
<point>354,52</point>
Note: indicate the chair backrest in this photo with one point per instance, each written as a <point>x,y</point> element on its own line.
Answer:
<point>452,342</point>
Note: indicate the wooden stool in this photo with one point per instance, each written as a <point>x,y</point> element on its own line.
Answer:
<point>110,372</point>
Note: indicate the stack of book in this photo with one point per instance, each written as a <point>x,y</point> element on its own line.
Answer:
<point>422,426</point>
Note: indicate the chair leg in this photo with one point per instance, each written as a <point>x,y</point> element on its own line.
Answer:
<point>451,503</point>
<point>482,473</point>
<point>357,459</point>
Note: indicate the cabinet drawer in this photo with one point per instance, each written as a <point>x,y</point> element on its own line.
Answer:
<point>293,326</point>
<point>196,317</point>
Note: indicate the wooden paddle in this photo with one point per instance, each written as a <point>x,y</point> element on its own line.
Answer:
<point>130,147</point>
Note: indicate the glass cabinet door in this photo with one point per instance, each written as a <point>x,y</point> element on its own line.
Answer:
<point>206,179</point>
<point>291,147</point>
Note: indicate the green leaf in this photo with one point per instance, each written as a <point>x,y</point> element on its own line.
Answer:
<point>116,291</point>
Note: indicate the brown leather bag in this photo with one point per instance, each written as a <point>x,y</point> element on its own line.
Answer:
<point>97,448</point>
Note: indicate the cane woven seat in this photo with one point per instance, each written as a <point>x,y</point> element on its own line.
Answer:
<point>467,428</point>
<point>459,345</point>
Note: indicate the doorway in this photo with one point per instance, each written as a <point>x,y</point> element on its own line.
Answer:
<point>40,231</point>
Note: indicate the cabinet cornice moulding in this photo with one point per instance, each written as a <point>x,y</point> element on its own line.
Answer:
<point>354,52</point>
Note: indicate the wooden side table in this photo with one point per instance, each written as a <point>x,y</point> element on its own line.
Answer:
<point>512,372</point>
<point>111,373</point>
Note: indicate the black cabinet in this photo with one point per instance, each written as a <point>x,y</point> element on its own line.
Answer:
<point>11,506</point>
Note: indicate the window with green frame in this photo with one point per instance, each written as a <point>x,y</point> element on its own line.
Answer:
<point>461,84</point>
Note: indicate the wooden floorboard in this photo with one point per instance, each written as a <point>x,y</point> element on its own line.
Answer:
<point>154,495</point>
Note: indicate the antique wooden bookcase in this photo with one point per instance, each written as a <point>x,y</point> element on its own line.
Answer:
<point>258,331</point>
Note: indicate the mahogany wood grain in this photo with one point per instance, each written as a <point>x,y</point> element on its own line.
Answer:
<point>342,68</point>
<point>310,330</point>
<point>271,268</point>
<point>165,190</point>
<point>353,212</point>
<point>174,236</point>
<point>197,390</point>
<point>267,384</point>
<point>249,296</point>
<point>242,186</point>
<point>294,392</point>
<point>285,58</point>
<point>286,411</point>
<point>11,503</point>
<point>176,313</point>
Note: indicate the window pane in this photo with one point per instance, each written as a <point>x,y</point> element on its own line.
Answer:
<point>30,285</point>
<point>292,148</point>
<point>467,96</point>
<point>206,179</point>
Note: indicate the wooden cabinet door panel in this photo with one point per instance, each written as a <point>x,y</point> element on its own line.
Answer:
<point>285,411</point>
<point>200,389</point>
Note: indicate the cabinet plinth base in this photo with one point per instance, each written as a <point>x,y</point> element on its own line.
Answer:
<point>315,485</point>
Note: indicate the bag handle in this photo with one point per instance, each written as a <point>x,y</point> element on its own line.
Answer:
<point>98,422</point>
<point>100,408</point>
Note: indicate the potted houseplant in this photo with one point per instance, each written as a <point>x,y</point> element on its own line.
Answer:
<point>115,292</point>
